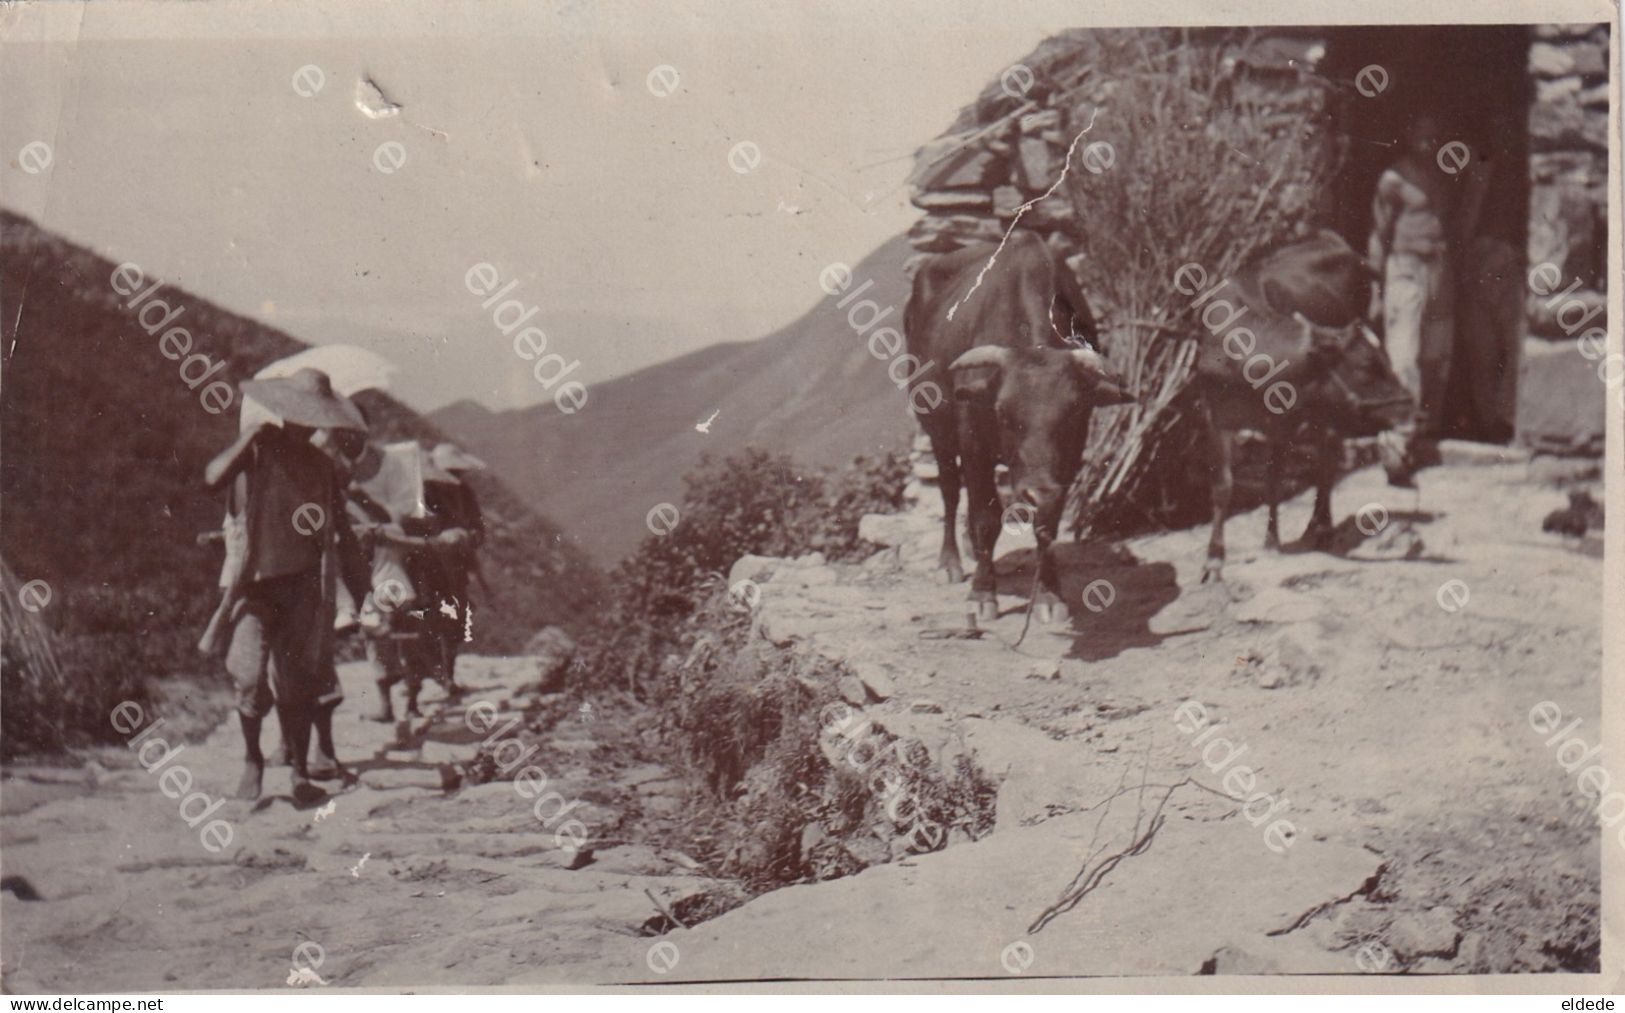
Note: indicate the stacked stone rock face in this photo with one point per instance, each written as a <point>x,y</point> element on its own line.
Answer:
<point>1009,147</point>
<point>1568,161</point>
<point>1562,396</point>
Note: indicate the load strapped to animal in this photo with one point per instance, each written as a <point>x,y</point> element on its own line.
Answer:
<point>1134,153</point>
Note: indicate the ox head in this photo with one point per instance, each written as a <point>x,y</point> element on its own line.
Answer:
<point>1040,400</point>
<point>1355,389</point>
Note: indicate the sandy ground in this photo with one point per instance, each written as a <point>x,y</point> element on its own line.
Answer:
<point>1431,829</point>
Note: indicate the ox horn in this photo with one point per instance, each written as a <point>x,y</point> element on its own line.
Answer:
<point>1089,359</point>
<point>1107,383</point>
<point>983,355</point>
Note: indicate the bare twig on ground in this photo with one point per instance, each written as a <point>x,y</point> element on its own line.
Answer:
<point>664,909</point>
<point>1094,873</point>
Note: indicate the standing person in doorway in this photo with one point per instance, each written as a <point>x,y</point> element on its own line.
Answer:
<point>1412,246</point>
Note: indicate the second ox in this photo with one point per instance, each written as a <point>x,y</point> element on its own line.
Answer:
<point>1301,302</point>
<point>1006,318</point>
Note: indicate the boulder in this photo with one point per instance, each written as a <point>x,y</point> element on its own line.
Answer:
<point>1469,452</point>
<point>1549,59</point>
<point>784,628</point>
<point>853,691</point>
<point>893,529</point>
<point>1006,200</point>
<point>875,680</point>
<point>1037,162</point>
<point>757,568</point>
<point>1046,669</point>
<point>1037,123</point>
<point>953,200</point>
<point>1430,933</point>
<point>884,561</point>
<point>553,650</point>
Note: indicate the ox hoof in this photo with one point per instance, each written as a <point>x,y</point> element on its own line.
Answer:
<point>1051,612</point>
<point>983,605</point>
<point>1272,542</point>
<point>953,573</point>
<point>1213,571</point>
<point>1317,536</point>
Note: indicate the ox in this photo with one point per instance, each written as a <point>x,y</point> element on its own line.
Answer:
<point>1299,305</point>
<point>1006,319</point>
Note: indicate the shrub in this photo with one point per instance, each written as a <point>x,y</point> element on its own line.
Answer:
<point>741,714</point>
<point>750,503</point>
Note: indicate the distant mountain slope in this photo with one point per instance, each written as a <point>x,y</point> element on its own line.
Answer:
<point>811,389</point>
<point>104,448</point>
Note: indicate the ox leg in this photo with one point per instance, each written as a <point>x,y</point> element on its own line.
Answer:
<point>1048,607</point>
<point>1272,494</point>
<point>948,481</point>
<point>1329,454</point>
<point>1223,485</point>
<point>984,532</point>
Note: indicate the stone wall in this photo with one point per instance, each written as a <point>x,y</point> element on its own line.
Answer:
<point>1568,160</point>
<point>1562,399</point>
<point>1008,147</point>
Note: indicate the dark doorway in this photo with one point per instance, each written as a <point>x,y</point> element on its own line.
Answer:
<point>1474,81</point>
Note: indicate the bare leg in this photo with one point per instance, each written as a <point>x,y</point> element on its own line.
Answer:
<point>248,788</point>
<point>295,717</point>
<point>378,653</point>
<point>327,762</point>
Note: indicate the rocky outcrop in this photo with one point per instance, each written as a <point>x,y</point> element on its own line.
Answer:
<point>1568,163</point>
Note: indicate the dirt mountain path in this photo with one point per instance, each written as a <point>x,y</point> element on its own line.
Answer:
<point>1431,828</point>
<point>408,881</point>
<point>1413,819</point>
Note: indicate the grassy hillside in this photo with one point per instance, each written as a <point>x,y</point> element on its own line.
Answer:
<point>103,453</point>
<point>811,389</point>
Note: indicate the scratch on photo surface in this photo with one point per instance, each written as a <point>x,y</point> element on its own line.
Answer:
<point>56,144</point>
<point>375,104</point>
<point>1023,209</point>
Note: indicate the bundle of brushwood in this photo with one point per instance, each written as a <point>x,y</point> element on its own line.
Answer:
<point>1137,151</point>
<point>31,676</point>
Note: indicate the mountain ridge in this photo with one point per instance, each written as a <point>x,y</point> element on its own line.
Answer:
<point>811,389</point>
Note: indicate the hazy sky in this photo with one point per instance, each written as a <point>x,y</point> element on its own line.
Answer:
<point>531,141</point>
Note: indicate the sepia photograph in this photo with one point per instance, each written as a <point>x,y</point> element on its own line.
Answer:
<point>544,496</point>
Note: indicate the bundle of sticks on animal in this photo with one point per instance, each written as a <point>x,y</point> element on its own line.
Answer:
<point>1136,152</point>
